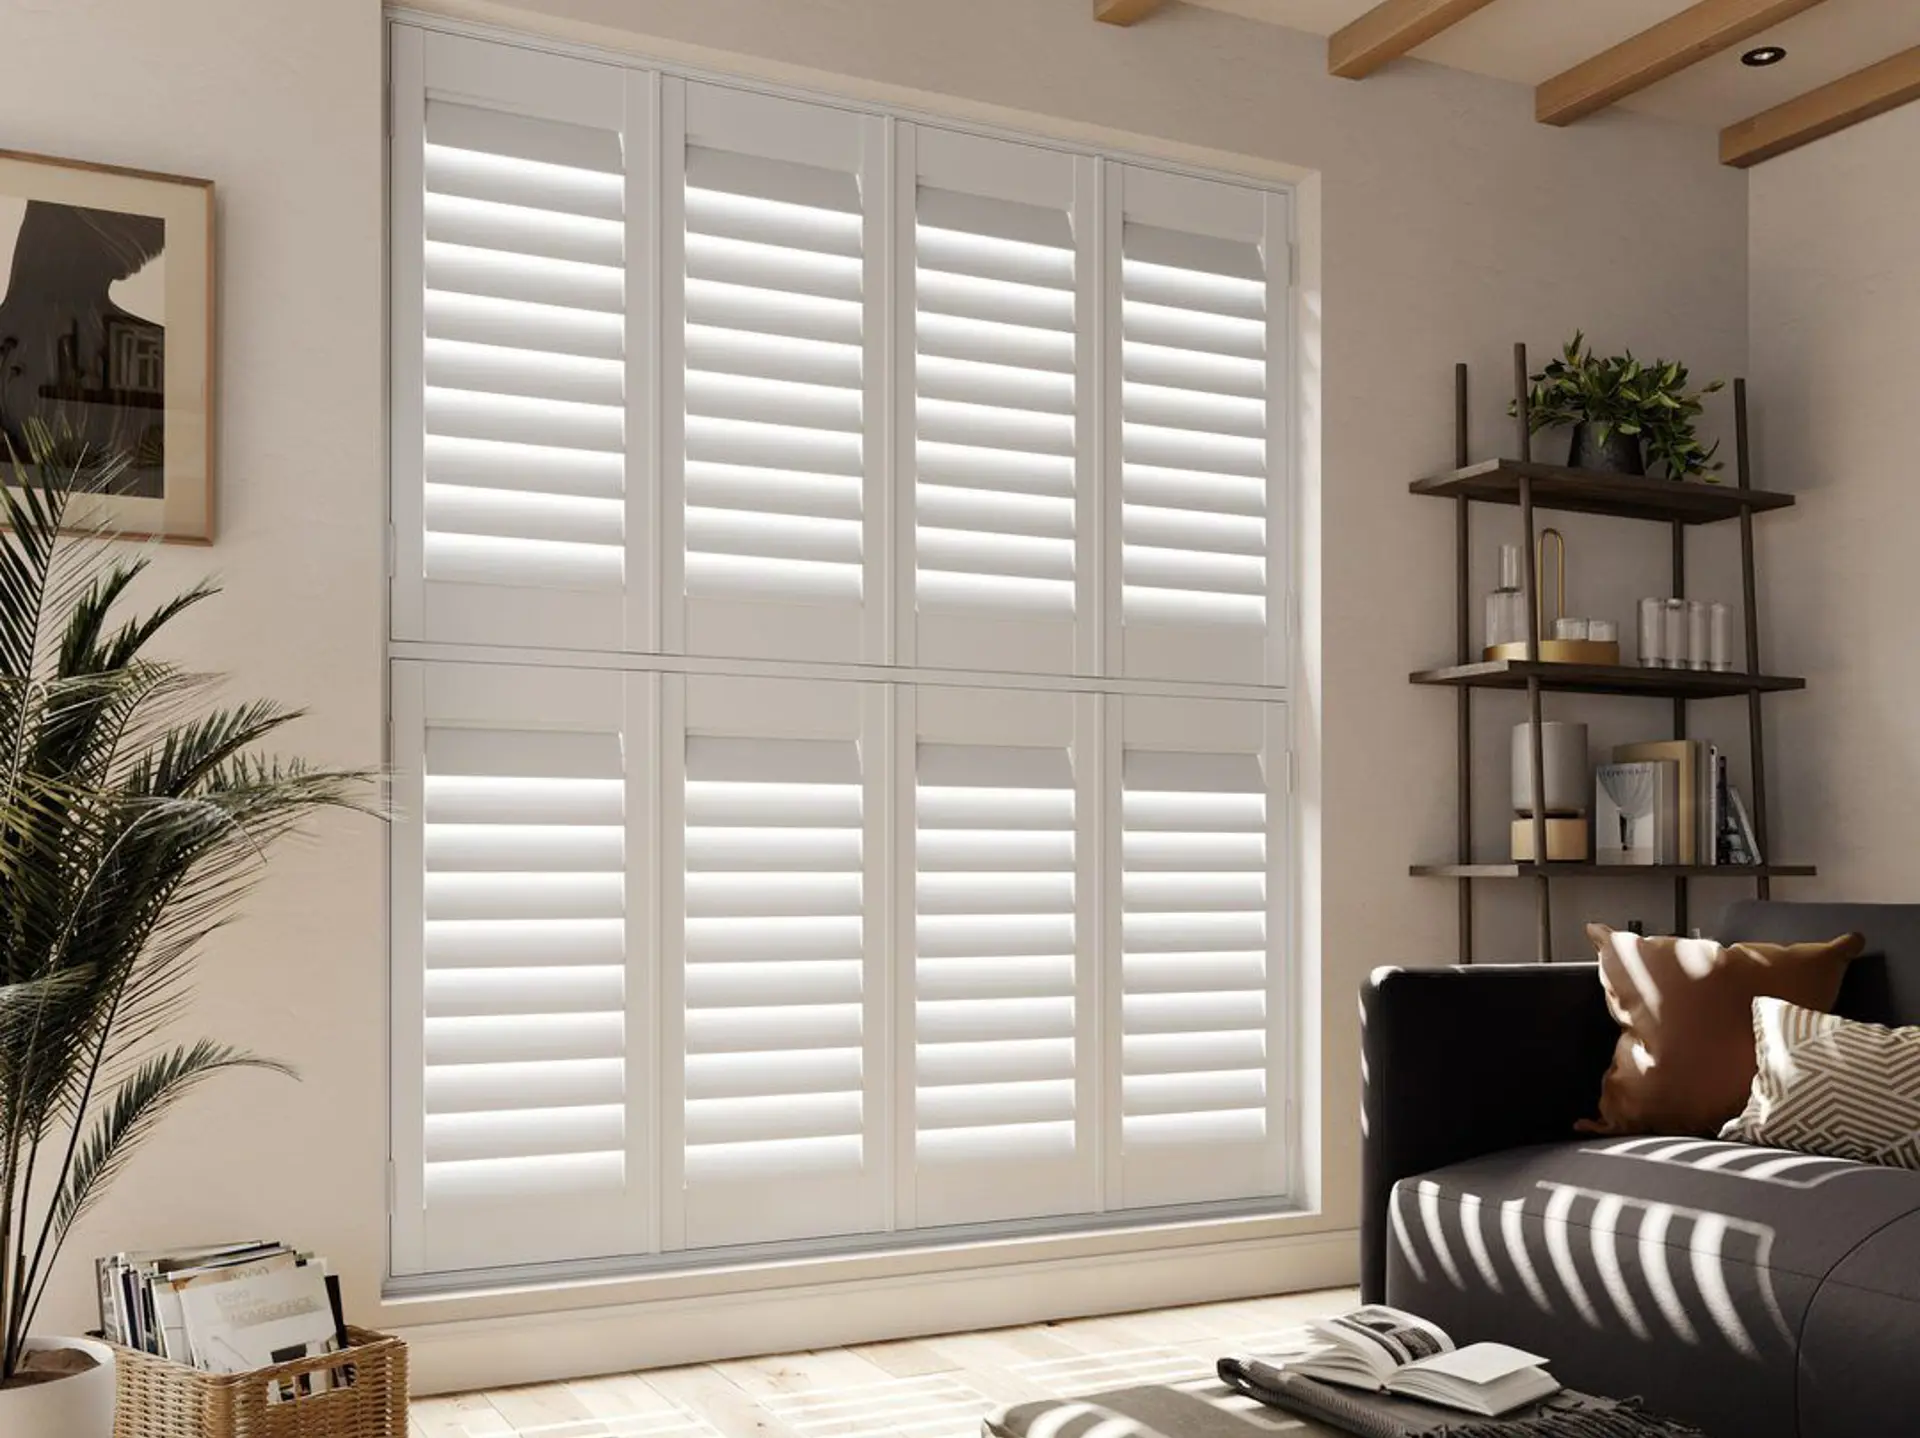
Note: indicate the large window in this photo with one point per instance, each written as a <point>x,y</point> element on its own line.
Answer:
<point>839,671</point>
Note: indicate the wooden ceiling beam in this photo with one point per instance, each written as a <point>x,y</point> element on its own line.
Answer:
<point>1124,12</point>
<point>1818,113</point>
<point>1389,30</point>
<point>1666,49</point>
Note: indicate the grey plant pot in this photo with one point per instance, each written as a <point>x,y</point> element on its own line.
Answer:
<point>1621,454</point>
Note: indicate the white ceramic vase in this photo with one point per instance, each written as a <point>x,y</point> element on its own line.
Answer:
<point>76,1407</point>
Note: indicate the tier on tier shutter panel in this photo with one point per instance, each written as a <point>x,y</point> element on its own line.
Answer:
<point>775,467</point>
<point>519,355</point>
<point>1198,1089</point>
<point>994,956</point>
<point>774,993</point>
<point>1198,446</point>
<point>520,878</point>
<point>997,275</point>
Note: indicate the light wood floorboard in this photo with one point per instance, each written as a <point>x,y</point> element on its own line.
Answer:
<point>916,1388</point>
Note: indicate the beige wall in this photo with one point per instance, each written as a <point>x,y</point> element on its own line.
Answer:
<point>1836,312</point>
<point>1449,225</point>
<point>279,104</point>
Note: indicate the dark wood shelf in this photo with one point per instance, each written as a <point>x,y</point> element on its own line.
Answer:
<point>1614,871</point>
<point>1497,481</point>
<point>1606,679</point>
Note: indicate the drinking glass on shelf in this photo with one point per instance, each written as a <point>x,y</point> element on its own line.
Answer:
<point>1699,630</point>
<point>1653,650</point>
<point>1722,650</point>
<point>1673,633</point>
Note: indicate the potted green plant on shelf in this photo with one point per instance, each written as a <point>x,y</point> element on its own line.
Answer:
<point>1625,414</point>
<point>133,815</point>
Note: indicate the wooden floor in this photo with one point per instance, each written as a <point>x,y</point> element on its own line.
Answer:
<point>918,1388</point>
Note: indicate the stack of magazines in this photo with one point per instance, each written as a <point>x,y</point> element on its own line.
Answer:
<point>230,1308</point>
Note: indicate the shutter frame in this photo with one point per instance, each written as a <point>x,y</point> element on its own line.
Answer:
<point>528,957</point>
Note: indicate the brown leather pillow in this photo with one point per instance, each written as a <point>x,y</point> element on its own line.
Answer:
<point>1685,1060</point>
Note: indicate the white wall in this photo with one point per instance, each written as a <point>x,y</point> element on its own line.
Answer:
<point>279,104</point>
<point>1449,225</point>
<point>1836,312</point>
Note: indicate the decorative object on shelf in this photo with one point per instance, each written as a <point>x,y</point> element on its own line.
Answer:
<point>1636,813</point>
<point>1720,646</point>
<point>1653,633</point>
<point>136,817</point>
<point>1507,605</point>
<point>1686,634</point>
<point>1567,783</point>
<point>108,314</point>
<point>1564,766</point>
<point>1624,414</point>
<point>1564,638</point>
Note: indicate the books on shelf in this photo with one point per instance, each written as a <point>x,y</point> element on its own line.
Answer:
<point>1670,802</point>
<point>1386,1350</point>
<point>228,1308</point>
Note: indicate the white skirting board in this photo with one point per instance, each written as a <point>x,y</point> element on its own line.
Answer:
<point>543,1347</point>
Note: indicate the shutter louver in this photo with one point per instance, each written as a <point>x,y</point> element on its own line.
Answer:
<point>995,407</point>
<point>1198,316</point>
<point>524,365</point>
<point>997,398</point>
<point>1198,956</point>
<point>776,376</point>
<point>525,909</point>
<point>776,1031</point>
<point>995,965</point>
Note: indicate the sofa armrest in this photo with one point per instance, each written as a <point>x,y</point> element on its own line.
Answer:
<point>1459,1062</point>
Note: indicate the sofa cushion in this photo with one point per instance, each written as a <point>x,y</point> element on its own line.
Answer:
<point>1882,985</point>
<point>1834,1086</point>
<point>1684,1060</point>
<point>1678,1270</point>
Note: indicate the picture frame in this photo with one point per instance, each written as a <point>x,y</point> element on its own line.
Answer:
<point>107,332</point>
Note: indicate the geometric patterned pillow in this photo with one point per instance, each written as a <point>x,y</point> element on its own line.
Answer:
<point>1830,1086</point>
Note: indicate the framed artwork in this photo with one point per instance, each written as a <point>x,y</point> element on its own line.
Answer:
<point>106,330</point>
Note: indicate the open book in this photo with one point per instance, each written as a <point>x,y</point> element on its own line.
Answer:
<point>1384,1350</point>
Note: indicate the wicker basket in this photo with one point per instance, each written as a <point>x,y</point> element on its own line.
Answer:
<point>366,1396</point>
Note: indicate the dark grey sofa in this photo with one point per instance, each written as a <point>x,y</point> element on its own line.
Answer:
<point>1753,1292</point>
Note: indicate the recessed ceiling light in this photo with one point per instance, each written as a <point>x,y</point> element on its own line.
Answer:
<point>1764,56</point>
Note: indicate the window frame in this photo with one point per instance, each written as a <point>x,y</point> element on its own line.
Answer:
<point>1099,671</point>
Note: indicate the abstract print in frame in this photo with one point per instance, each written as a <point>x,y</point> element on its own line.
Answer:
<point>106,331</point>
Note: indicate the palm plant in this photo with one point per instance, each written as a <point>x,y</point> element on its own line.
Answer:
<point>134,813</point>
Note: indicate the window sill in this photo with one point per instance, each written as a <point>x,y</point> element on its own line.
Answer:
<point>534,1332</point>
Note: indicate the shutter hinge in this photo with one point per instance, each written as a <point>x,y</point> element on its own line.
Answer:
<point>393,1189</point>
<point>1293,263</point>
<point>386,111</point>
<point>392,545</point>
<point>1292,773</point>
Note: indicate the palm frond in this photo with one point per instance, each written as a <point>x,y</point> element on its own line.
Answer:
<point>135,815</point>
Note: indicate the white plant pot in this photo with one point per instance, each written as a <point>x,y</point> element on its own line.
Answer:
<point>76,1407</point>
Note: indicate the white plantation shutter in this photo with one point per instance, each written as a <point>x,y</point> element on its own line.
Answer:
<point>777,254</point>
<point>1001,286</point>
<point>999,935</point>
<point>1202,346</point>
<point>511,350</point>
<point>1201,950</point>
<point>517,878</point>
<point>697,389</point>
<point>778,1006</point>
